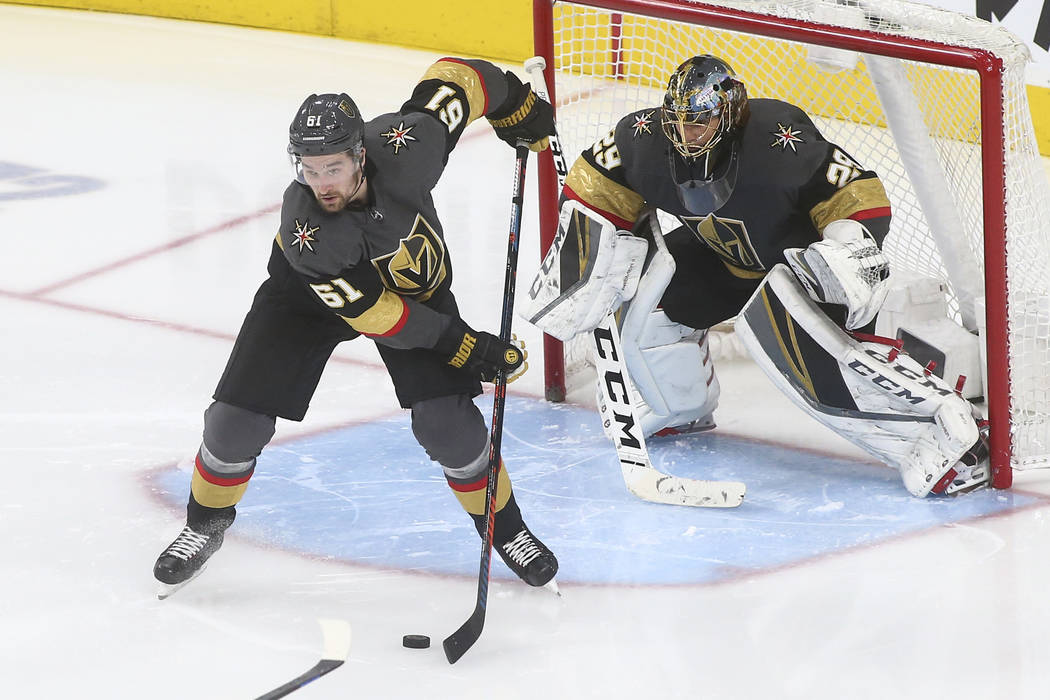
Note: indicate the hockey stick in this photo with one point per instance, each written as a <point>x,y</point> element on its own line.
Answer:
<point>457,643</point>
<point>336,635</point>
<point>617,392</point>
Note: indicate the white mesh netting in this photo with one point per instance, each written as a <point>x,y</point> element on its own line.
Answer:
<point>608,63</point>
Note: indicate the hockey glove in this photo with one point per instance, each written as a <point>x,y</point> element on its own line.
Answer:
<point>847,267</point>
<point>523,116</point>
<point>481,354</point>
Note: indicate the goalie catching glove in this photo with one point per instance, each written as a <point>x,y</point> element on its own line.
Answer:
<point>523,117</point>
<point>481,354</point>
<point>847,267</point>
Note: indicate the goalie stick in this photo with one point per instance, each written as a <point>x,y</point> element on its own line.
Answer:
<point>617,392</point>
<point>336,635</point>
<point>457,643</point>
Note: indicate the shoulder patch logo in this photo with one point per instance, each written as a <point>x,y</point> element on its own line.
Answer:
<point>398,136</point>
<point>303,236</point>
<point>786,136</point>
<point>642,123</point>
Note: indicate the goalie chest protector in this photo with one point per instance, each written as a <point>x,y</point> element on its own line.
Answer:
<point>785,171</point>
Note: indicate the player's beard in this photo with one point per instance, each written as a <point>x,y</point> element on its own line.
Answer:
<point>335,200</point>
<point>331,201</point>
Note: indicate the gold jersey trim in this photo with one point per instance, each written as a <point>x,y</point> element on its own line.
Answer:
<point>465,77</point>
<point>381,317</point>
<point>602,193</point>
<point>858,195</point>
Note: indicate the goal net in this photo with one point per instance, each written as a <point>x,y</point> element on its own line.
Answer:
<point>933,101</point>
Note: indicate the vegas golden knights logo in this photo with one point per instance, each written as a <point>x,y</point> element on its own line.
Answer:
<point>417,267</point>
<point>728,238</point>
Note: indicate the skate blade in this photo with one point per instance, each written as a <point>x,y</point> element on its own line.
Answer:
<point>166,590</point>
<point>552,586</point>
<point>699,426</point>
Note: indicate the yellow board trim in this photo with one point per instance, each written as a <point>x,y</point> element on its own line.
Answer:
<point>457,27</point>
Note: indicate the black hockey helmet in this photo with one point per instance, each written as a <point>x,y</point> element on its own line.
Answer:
<point>325,125</point>
<point>702,89</point>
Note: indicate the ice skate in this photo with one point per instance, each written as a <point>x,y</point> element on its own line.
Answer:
<point>530,559</point>
<point>700,425</point>
<point>972,472</point>
<point>184,559</point>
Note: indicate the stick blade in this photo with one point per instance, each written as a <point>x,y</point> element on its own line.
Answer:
<point>336,647</point>
<point>457,643</point>
<point>337,637</point>
<point>320,668</point>
<point>651,485</point>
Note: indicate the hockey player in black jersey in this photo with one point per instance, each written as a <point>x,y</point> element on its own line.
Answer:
<point>779,228</point>
<point>360,251</point>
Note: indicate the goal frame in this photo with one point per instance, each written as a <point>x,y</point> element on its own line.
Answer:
<point>986,64</point>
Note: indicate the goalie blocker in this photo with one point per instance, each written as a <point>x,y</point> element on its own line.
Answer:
<point>589,270</point>
<point>592,269</point>
<point>868,392</point>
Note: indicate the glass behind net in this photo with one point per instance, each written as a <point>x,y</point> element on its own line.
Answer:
<point>609,63</point>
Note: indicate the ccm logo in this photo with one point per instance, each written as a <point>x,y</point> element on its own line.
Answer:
<point>887,384</point>
<point>616,387</point>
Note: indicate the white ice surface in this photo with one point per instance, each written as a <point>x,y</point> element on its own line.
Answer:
<point>118,308</point>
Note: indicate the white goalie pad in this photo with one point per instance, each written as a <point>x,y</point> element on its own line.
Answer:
<point>669,364</point>
<point>916,312</point>
<point>590,269</point>
<point>846,267</point>
<point>869,393</point>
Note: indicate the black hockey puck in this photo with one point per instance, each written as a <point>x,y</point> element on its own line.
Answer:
<point>416,641</point>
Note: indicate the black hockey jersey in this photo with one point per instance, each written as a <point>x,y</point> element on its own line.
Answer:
<point>377,265</point>
<point>791,183</point>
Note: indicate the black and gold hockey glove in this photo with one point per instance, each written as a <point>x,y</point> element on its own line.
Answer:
<point>480,353</point>
<point>523,116</point>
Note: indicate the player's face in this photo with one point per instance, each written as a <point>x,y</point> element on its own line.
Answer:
<point>699,135</point>
<point>335,179</point>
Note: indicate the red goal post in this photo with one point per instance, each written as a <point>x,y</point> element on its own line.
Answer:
<point>931,100</point>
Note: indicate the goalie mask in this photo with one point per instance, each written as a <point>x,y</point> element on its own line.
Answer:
<point>325,125</point>
<point>704,111</point>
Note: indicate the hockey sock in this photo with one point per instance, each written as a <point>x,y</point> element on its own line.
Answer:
<point>471,495</point>
<point>216,484</point>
